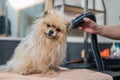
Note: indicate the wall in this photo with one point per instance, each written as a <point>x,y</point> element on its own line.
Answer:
<point>113,12</point>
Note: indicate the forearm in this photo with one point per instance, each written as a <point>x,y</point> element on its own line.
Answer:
<point>112,32</point>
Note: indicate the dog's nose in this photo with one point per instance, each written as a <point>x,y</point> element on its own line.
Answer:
<point>51,32</point>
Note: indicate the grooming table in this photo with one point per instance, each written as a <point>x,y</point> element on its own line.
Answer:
<point>76,74</point>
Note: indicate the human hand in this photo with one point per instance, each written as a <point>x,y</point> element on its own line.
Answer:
<point>88,26</point>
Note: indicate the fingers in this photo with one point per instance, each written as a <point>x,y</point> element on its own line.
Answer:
<point>86,24</point>
<point>80,27</point>
<point>87,20</point>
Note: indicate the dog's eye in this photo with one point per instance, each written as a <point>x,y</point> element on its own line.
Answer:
<point>58,30</point>
<point>48,25</point>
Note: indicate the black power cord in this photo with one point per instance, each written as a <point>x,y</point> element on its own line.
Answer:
<point>95,47</point>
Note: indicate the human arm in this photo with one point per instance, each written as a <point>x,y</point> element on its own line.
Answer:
<point>112,32</point>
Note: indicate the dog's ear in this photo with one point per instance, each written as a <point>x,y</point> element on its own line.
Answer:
<point>42,15</point>
<point>45,13</point>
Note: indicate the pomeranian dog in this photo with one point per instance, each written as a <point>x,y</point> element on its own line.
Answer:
<point>43,50</point>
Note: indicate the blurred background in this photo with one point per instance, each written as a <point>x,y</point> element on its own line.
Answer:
<point>17,16</point>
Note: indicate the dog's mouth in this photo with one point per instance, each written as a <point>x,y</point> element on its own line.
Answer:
<point>50,34</point>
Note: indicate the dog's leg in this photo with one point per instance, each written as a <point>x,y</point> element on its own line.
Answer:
<point>27,69</point>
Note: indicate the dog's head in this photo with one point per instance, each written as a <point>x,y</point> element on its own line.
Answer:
<point>53,24</point>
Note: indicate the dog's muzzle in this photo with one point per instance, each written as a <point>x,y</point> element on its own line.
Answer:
<point>50,33</point>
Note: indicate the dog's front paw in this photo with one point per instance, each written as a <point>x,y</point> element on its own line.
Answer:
<point>24,73</point>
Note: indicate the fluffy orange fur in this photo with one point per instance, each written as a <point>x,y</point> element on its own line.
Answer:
<point>38,51</point>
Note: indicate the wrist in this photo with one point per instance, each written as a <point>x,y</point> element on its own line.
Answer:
<point>98,29</point>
